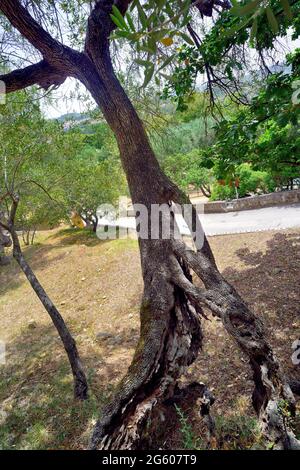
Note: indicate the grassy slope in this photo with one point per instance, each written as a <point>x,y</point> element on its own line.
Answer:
<point>97,287</point>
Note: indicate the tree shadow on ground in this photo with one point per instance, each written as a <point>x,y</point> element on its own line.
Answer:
<point>268,280</point>
<point>270,285</point>
<point>73,236</point>
<point>40,256</point>
<point>11,276</point>
<point>36,384</point>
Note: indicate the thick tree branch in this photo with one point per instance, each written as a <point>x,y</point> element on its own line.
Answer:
<point>42,74</point>
<point>100,26</point>
<point>199,263</point>
<point>30,29</point>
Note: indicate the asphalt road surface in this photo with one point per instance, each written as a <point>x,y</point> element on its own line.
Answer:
<point>268,218</point>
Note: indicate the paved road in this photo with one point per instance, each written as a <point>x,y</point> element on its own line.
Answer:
<point>269,218</point>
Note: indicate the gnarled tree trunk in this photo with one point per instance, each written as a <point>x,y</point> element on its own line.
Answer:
<point>5,242</point>
<point>170,313</point>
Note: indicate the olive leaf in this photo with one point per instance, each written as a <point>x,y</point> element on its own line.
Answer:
<point>272,20</point>
<point>149,71</point>
<point>118,18</point>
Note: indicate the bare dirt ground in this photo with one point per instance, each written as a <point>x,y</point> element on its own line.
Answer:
<point>97,286</point>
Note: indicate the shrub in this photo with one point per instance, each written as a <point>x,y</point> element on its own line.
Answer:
<point>250,182</point>
<point>222,193</point>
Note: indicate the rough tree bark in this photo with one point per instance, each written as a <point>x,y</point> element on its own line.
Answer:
<point>171,309</point>
<point>5,242</point>
<point>80,382</point>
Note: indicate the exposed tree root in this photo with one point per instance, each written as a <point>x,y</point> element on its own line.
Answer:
<point>170,340</point>
<point>272,393</point>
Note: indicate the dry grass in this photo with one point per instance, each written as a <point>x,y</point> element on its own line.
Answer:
<point>97,286</point>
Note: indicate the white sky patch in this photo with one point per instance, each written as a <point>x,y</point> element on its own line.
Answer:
<point>71,97</point>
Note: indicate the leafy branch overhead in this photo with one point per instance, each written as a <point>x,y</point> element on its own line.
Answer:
<point>159,29</point>
<point>251,12</point>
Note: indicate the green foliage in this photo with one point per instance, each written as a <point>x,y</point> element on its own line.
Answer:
<point>54,171</point>
<point>90,182</point>
<point>264,134</point>
<point>232,432</point>
<point>188,170</point>
<point>181,84</point>
<point>94,175</point>
<point>222,193</point>
<point>255,149</point>
<point>182,138</point>
<point>150,26</point>
<point>253,10</point>
<point>230,31</point>
<point>251,181</point>
<point>31,151</point>
<point>237,432</point>
<point>189,440</point>
<point>244,182</point>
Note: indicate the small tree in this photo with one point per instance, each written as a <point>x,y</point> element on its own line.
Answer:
<point>17,173</point>
<point>191,169</point>
<point>90,183</point>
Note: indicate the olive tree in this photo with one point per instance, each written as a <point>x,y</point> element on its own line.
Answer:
<point>172,305</point>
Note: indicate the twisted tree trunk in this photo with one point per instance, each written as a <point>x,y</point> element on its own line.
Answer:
<point>171,309</point>
<point>170,313</point>
<point>5,242</point>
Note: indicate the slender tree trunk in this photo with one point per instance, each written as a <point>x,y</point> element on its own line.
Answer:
<point>205,190</point>
<point>95,223</point>
<point>170,335</point>
<point>23,237</point>
<point>33,236</point>
<point>80,382</point>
